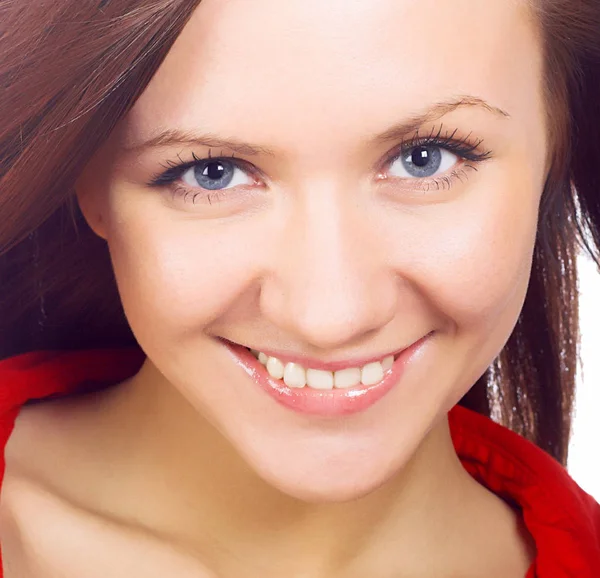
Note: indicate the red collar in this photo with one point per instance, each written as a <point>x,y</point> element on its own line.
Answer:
<point>563,520</point>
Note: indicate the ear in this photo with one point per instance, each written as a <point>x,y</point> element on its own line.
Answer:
<point>88,200</point>
<point>93,185</point>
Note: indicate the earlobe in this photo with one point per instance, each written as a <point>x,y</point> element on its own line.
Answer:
<point>91,211</point>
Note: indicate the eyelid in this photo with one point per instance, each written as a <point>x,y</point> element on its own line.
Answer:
<point>175,171</point>
<point>463,147</point>
<point>237,161</point>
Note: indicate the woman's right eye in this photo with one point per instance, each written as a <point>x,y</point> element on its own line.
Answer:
<point>216,175</point>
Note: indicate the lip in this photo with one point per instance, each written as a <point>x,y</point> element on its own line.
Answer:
<point>324,403</point>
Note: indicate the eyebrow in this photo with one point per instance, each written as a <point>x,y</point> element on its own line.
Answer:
<point>435,112</point>
<point>410,125</point>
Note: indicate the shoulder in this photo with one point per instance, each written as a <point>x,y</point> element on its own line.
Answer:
<point>49,527</point>
<point>33,514</point>
<point>44,535</point>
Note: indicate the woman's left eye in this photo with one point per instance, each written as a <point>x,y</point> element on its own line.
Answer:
<point>422,162</point>
<point>215,175</point>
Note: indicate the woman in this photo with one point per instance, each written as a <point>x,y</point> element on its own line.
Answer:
<point>270,268</point>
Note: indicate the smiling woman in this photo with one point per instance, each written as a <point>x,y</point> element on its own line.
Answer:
<point>276,268</point>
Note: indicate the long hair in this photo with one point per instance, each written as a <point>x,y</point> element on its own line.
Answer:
<point>71,69</point>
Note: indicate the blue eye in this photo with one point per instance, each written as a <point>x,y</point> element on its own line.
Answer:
<point>423,162</point>
<point>215,175</point>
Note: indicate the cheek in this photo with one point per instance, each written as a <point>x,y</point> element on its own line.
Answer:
<point>177,275</point>
<point>471,258</point>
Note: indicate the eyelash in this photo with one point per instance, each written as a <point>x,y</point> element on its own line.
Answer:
<point>463,148</point>
<point>175,171</point>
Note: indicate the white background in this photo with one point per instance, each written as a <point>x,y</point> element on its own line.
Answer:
<point>584,455</point>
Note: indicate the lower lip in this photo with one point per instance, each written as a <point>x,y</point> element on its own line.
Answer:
<point>325,403</point>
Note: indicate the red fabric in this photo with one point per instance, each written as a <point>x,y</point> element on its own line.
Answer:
<point>563,520</point>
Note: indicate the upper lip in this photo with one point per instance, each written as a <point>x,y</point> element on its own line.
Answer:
<point>308,362</point>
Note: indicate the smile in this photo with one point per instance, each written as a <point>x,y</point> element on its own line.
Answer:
<point>321,391</point>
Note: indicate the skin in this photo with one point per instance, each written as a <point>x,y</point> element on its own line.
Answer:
<point>327,252</point>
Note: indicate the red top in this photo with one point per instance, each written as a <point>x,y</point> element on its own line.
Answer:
<point>563,520</point>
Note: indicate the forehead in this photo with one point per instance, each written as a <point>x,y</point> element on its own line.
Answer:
<point>271,70</point>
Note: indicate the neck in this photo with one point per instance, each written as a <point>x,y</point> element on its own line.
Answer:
<point>189,485</point>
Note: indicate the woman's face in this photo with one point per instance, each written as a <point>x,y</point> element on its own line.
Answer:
<point>389,162</point>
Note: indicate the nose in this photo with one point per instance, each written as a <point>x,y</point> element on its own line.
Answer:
<point>329,286</point>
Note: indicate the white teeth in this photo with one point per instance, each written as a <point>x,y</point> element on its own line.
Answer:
<point>318,379</point>
<point>345,378</point>
<point>275,368</point>
<point>371,373</point>
<point>387,363</point>
<point>294,375</point>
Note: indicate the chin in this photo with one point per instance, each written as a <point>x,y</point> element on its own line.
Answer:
<point>315,475</point>
<point>329,462</point>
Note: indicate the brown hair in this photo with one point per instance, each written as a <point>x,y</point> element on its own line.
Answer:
<point>70,70</point>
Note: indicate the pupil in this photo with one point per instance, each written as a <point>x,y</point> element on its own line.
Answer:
<point>214,171</point>
<point>421,157</point>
